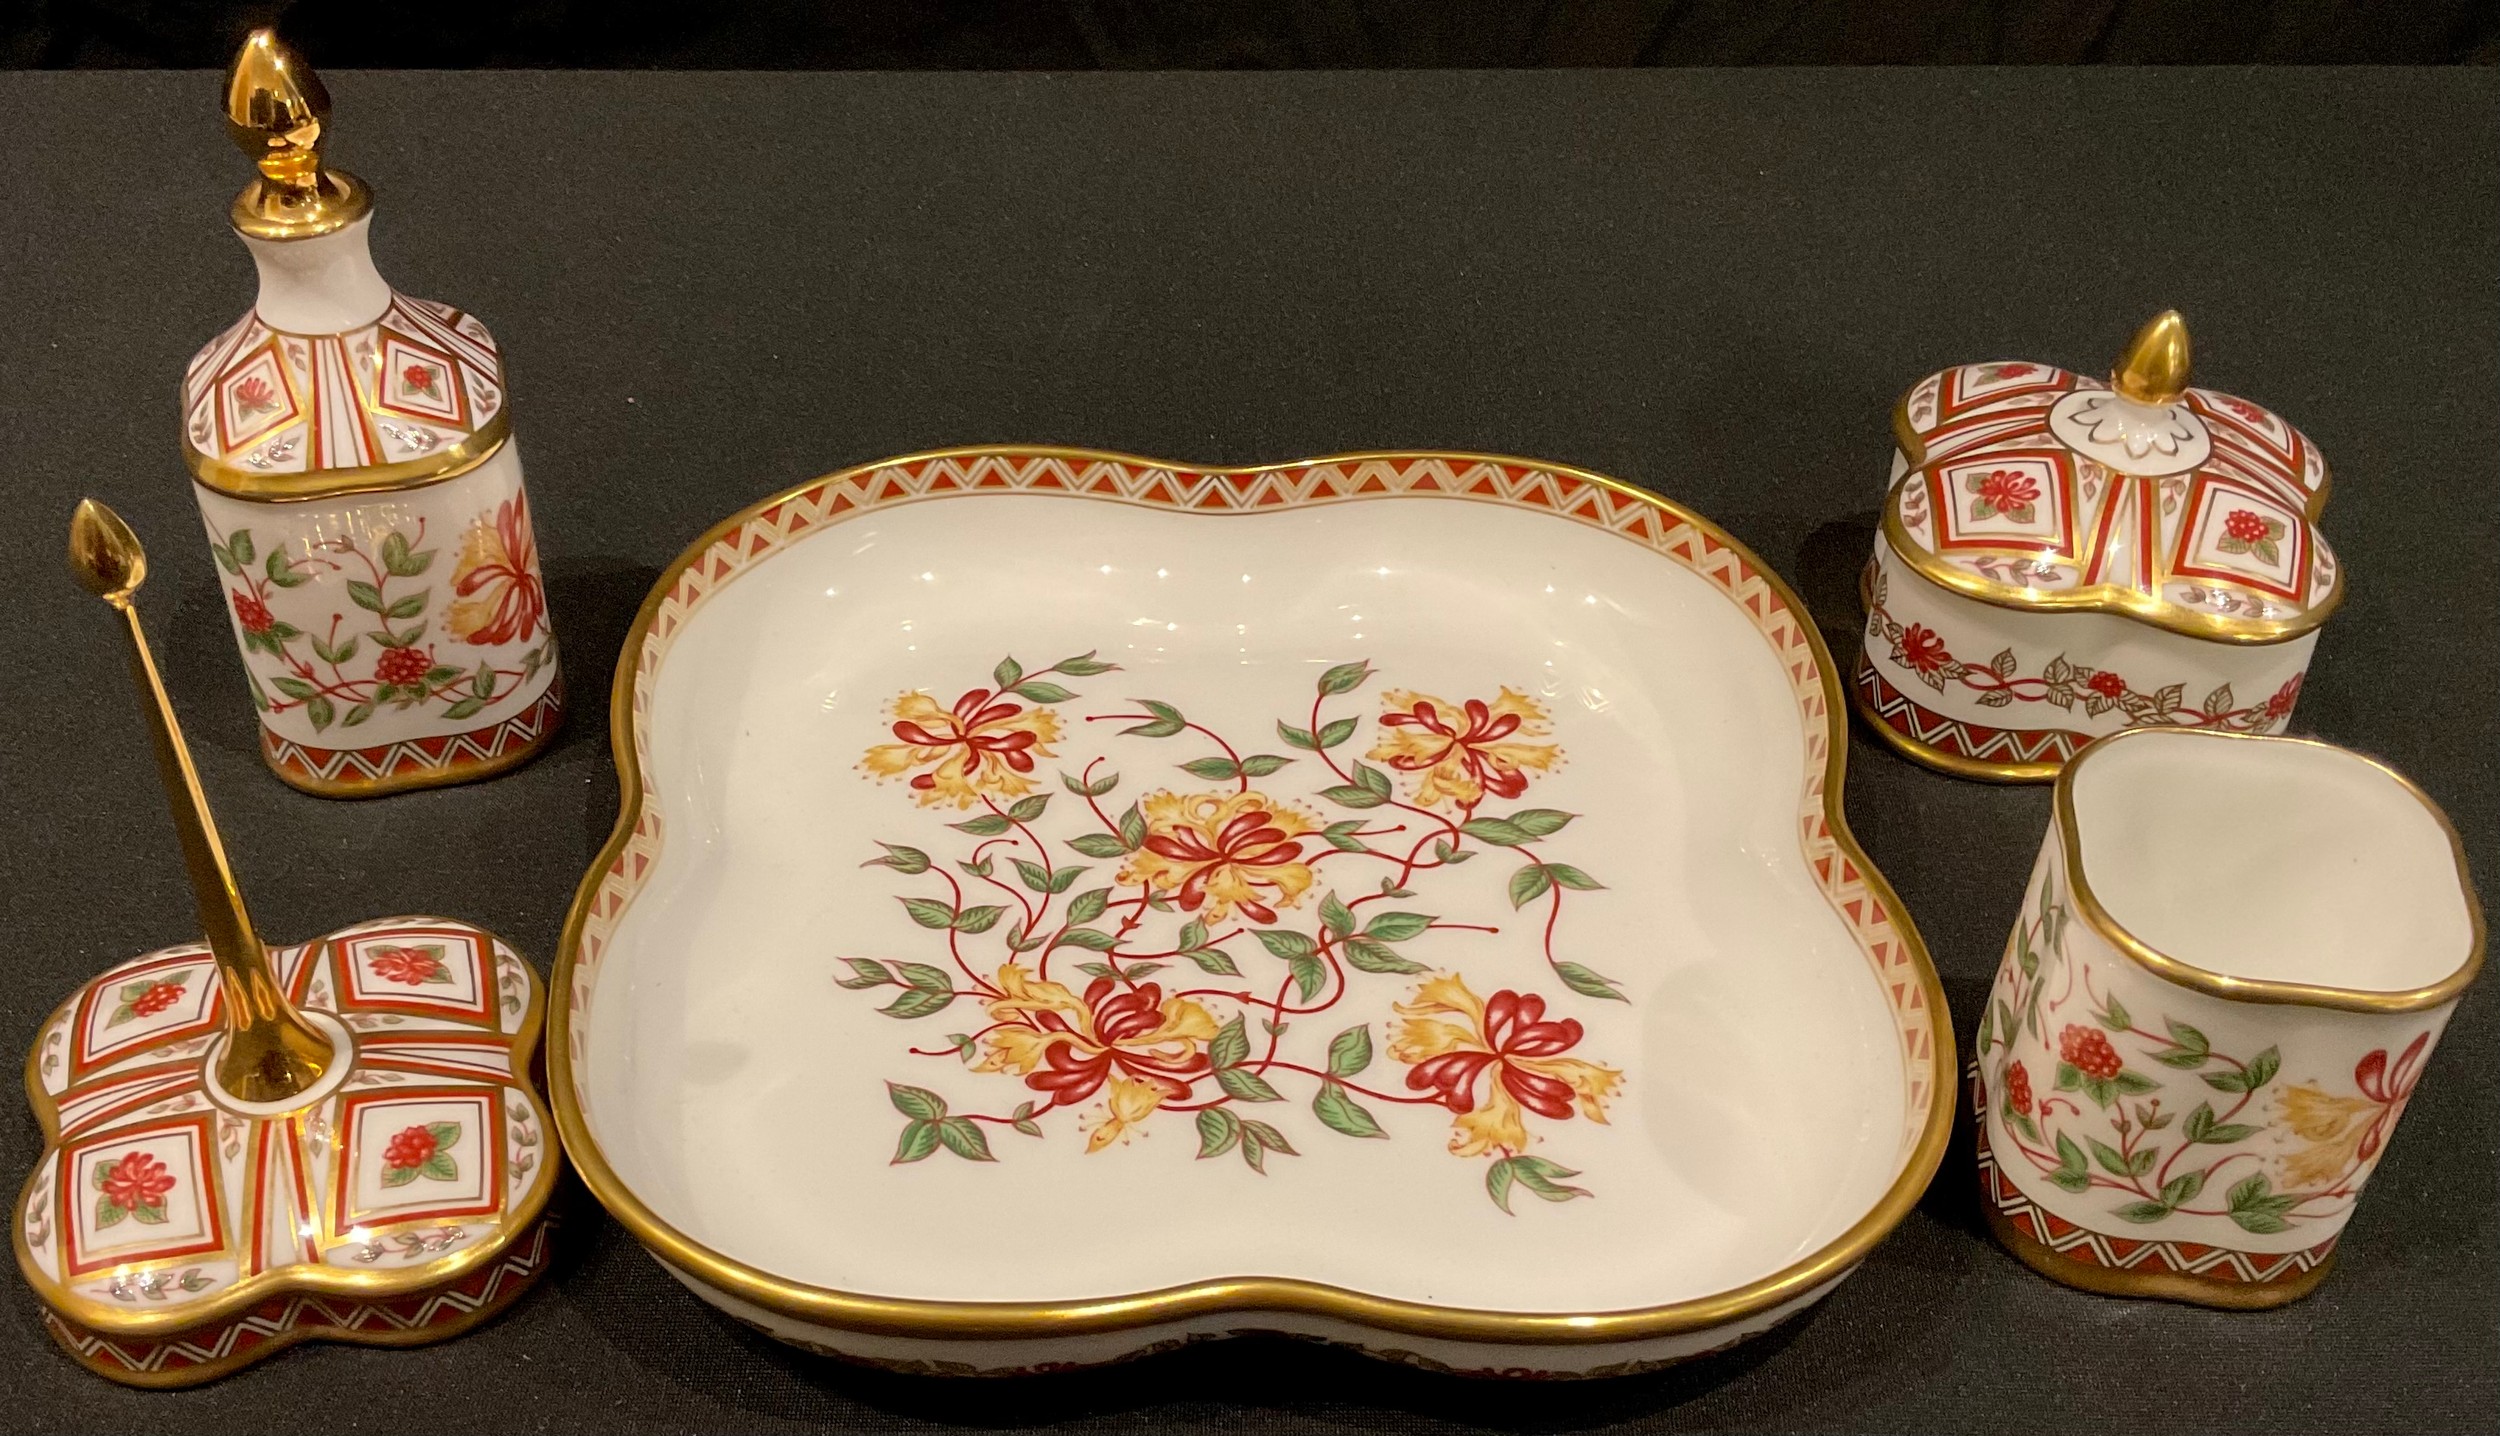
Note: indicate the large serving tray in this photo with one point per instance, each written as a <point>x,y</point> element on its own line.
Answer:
<point>1509,793</point>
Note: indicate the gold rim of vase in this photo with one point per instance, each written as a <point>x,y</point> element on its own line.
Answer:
<point>2182,973</point>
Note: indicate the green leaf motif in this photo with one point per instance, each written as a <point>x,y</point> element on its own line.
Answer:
<point>1084,665</point>
<point>240,545</point>
<point>1036,691</point>
<point>441,1167</point>
<point>1370,954</point>
<point>1218,1130</point>
<point>2143,1212</point>
<point>1034,876</point>
<point>1350,1051</point>
<point>1092,939</point>
<point>1029,809</point>
<point>318,709</point>
<point>928,912</point>
<point>1565,875</point>
<point>2262,1067</point>
<point>2114,1017</point>
<point>1310,975</point>
<point>408,607</point>
<point>1295,737</point>
<point>1536,1174</point>
<point>988,825</point>
<point>2180,1190</point>
<point>919,1139</point>
<point>1337,1109</point>
<point>962,1136</point>
<point>1287,945</point>
<point>1098,845</point>
<point>1259,765</point>
<point>977,919</point>
<point>1216,770</point>
<point>1008,673</point>
<point>917,1002</point>
<point>399,561</point>
<point>1398,926</point>
<point>916,1102</point>
<point>1332,734</point>
<point>1586,983</point>
<point>1213,959</point>
<point>1336,916</point>
<point>1132,829</point>
<point>1501,832</point>
<point>1167,720</point>
<point>1244,1085</point>
<point>1230,1046</point>
<point>1344,678</point>
<point>901,859</point>
<point>1528,884</point>
<point>1088,905</point>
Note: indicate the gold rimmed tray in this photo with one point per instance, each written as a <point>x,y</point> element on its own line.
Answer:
<point>1066,904</point>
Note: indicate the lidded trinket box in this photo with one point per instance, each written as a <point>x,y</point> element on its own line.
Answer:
<point>2062,558</point>
<point>352,454</point>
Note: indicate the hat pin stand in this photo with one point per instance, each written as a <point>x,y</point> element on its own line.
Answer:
<point>247,1147</point>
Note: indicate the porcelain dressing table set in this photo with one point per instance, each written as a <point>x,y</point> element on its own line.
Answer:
<point>1426,872</point>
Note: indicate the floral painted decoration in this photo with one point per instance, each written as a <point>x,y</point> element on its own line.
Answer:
<point>421,1153</point>
<point>2265,1155</point>
<point>498,599</point>
<point>135,1186</point>
<point>1238,872</point>
<point>410,966</point>
<point>2063,684</point>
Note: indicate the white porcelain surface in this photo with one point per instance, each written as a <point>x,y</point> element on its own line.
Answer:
<point>1759,1103</point>
<point>2337,875</point>
<point>2199,1130</point>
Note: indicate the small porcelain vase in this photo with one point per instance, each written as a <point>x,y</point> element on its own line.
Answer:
<point>2062,558</point>
<point>352,455</point>
<point>2197,1048</point>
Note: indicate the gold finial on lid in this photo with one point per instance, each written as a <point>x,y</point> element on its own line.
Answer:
<point>2154,370</point>
<point>275,110</point>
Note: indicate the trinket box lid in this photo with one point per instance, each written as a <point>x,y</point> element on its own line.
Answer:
<point>2033,487</point>
<point>334,383</point>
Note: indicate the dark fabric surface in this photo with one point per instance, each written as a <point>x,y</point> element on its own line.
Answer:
<point>1714,284</point>
<point>1255,34</point>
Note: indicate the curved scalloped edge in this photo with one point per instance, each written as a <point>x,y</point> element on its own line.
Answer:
<point>1858,894</point>
<point>212,1292</point>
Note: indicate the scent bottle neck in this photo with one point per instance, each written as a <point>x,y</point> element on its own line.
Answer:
<point>325,284</point>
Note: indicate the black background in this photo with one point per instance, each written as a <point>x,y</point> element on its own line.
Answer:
<point>1256,34</point>
<point>1713,283</point>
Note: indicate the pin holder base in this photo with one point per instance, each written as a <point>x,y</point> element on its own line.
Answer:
<point>174,1235</point>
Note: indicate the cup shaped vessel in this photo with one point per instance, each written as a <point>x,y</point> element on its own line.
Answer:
<point>2232,963</point>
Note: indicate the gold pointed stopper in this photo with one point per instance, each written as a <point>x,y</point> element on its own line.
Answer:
<point>2154,370</point>
<point>275,110</point>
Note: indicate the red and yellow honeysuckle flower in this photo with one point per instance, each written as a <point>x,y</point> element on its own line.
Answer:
<point>984,746</point>
<point>1488,1059</point>
<point>1459,752</point>
<point>2338,1134</point>
<point>1149,1048</point>
<point>1217,852</point>
<point>496,594</point>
